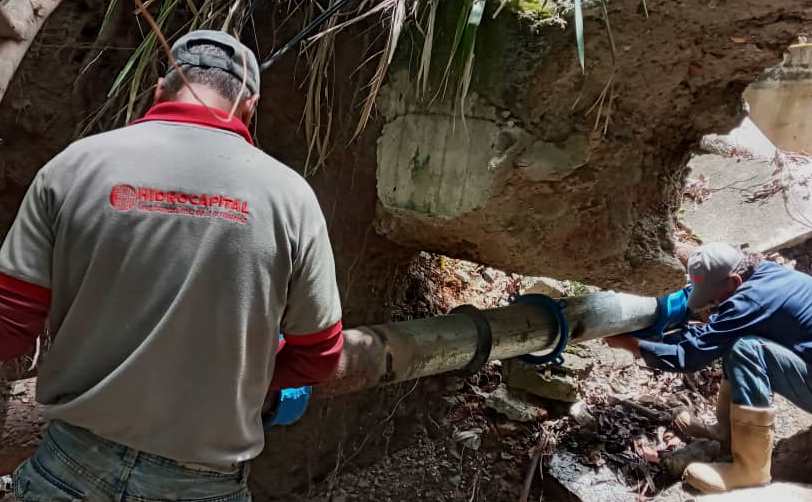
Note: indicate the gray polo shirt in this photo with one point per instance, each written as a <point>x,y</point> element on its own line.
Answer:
<point>175,253</point>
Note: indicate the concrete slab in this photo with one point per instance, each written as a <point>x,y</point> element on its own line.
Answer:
<point>764,204</point>
<point>745,140</point>
<point>16,16</point>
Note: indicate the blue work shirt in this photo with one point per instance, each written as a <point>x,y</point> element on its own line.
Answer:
<point>774,303</point>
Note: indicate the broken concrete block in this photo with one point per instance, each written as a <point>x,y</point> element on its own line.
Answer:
<point>512,406</point>
<point>576,365</point>
<point>579,411</point>
<point>547,286</point>
<point>16,17</point>
<point>559,384</point>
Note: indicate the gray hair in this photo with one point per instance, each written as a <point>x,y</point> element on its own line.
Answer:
<point>226,84</point>
<point>748,265</point>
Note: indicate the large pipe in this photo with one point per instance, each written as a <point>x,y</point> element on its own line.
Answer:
<point>389,353</point>
<point>396,352</point>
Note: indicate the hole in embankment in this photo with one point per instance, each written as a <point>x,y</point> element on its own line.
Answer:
<point>758,175</point>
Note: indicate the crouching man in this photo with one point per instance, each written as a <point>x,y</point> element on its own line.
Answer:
<point>762,329</point>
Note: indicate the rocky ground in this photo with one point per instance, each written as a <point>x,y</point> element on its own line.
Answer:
<point>598,429</point>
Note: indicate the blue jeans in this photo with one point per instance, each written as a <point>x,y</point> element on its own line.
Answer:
<point>757,368</point>
<point>73,464</point>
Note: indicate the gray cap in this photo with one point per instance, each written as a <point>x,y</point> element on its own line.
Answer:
<point>709,267</point>
<point>233,64</point>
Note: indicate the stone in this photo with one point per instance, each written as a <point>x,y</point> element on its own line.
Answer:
<point>585,483</point>
<point>547,286</point>
<point>489,274</point>
<point>471,438</point>
<point>463,276</point>
<point>617,358</point>
<point>512,406</point>
<point>559,384</point>
<point>579,411</point>
<point>576,365</point>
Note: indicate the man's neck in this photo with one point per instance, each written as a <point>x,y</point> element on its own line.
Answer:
<point>203,95</point>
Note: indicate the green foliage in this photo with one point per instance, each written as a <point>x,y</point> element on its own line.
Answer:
<point>577,288</point>
<point>540,8</point>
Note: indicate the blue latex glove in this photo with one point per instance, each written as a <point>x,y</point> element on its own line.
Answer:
<point>672,310</point>
<point>291,404</point>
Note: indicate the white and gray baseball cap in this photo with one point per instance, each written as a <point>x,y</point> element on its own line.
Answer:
<point>709,267</point>
<point>239,56</point>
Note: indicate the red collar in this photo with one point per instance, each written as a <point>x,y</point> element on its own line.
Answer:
<point>192,113</point>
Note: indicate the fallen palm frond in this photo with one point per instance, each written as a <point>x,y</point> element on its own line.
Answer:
<point>604,107</point>
<point>397,18</point>
<point>425,53</point>
<point>318,116</point>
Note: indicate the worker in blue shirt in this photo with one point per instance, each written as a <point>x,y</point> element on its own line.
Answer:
<point>762,329</point>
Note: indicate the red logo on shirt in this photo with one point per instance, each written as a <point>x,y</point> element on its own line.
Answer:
<point>123,197</point>
<point>126,197</point>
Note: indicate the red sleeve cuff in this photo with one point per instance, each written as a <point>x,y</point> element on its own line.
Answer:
<point>314,338</point>
<point>23,310</point>
<point>25,289</point>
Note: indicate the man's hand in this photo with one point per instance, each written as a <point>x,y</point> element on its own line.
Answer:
<point>287,407</point>
<point>625,342</point>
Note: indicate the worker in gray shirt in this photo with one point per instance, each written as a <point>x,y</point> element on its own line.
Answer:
<point>167,257</point>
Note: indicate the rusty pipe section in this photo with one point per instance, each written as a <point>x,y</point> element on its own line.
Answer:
<point>396,352</point>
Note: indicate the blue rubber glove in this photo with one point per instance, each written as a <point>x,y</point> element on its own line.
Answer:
<point>291,404</point>
<point>672,310</point>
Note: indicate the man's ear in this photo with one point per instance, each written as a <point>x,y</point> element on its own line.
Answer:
<point>248,108</point>
<point>736,281</point>
<point>160,91</point>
